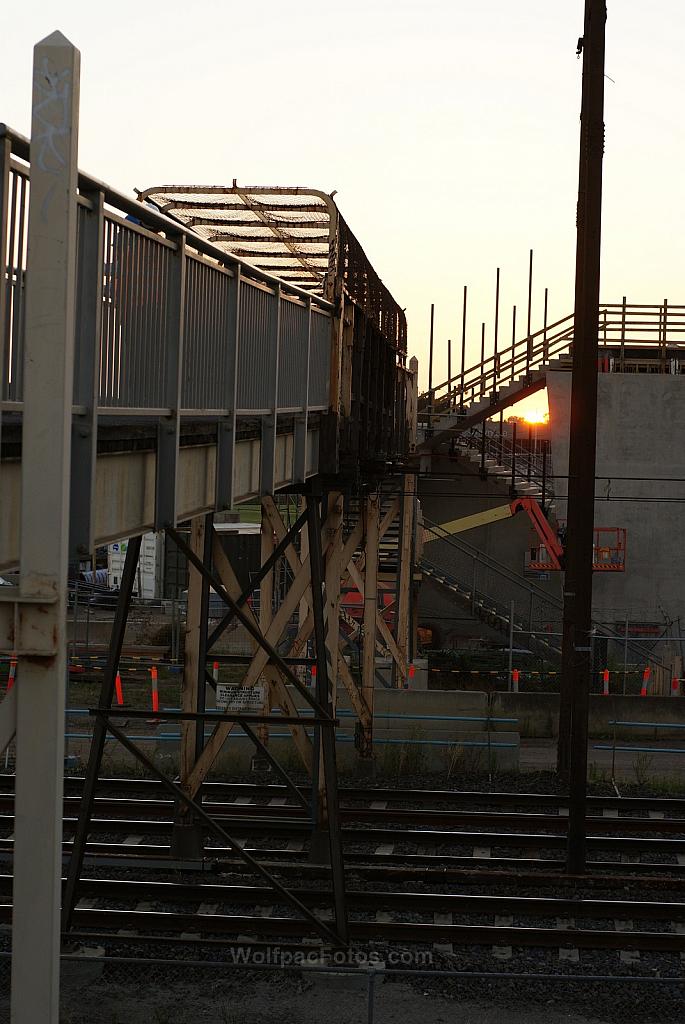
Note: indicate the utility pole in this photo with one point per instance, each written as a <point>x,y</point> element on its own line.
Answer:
<point>576,664</point>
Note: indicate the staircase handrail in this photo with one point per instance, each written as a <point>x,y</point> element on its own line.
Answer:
<point>642,324</point>
<point>504,571</point>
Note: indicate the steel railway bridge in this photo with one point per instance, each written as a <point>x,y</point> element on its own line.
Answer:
<point>155,371</point>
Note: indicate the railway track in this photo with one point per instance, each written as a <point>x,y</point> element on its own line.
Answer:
<point>409,918</point>
<point>456,843</point>
<point>440,830</point>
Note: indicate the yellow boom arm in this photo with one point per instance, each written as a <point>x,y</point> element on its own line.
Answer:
<point>490,515</point>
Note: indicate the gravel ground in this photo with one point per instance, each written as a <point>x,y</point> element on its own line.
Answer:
<point>130,995</point>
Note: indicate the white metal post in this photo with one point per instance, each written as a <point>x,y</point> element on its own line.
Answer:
<point>46,463</point>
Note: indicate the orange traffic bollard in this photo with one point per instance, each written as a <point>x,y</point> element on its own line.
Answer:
<point>645,681</point>
<point>155,691</point>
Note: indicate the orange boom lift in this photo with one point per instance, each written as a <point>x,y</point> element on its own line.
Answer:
<point>608,551</point>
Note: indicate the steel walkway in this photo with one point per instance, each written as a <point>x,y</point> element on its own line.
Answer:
<point>200,380</point>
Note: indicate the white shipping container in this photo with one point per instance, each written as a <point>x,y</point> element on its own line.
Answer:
<point>146,585</point>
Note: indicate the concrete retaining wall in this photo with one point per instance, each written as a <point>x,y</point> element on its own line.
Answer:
<point>538,714</point>
<point>414,731</point>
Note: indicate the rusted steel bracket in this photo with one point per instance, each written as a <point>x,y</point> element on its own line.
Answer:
<point>27,624</point>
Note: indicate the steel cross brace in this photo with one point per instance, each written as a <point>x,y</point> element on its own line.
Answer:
<point>253,630</point>
<point>265,569</point>
<point>321,927</point>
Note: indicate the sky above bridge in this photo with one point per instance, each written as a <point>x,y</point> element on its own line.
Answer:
<point>449,130</point>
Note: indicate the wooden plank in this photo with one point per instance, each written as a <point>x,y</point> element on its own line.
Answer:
<point>334,566</point>
<point>405,568</point>
<point>266,590</point>
<point>305,630</point>
<point>356,698</point>
<point>381,624</point>
<point>270,510</point>
<point>371,511</point>
<point>279,692</point>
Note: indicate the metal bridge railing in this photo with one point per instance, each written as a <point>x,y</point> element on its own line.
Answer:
<point>175,323</point>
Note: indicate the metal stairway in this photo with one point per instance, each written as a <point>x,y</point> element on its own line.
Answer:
<point>512,463</point>
<point>487,588</point>
<point>490,611</point>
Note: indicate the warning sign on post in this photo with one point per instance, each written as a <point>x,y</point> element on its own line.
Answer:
<point>239,698</point>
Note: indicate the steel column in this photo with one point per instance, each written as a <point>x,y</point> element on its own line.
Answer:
<point>45,476</point>
<point>431,396</point>
<point>226,430</point>
<point>495,368</point>
<point>86,383</point>
<point>463,349</point>
<point>169,428</point>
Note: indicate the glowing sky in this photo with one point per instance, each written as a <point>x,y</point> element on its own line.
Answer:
<point>450,130</point>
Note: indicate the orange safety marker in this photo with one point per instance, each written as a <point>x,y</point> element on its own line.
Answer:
<point>155,691</point>
<point>119,691</point>
<point>605,681</point>
<point>675,687</point>
<point>645,680</point>
<point>515,680</point>
<point>13,674</point>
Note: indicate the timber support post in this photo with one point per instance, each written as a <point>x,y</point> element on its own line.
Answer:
<point>187,839</point>
<point>371,518</point>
